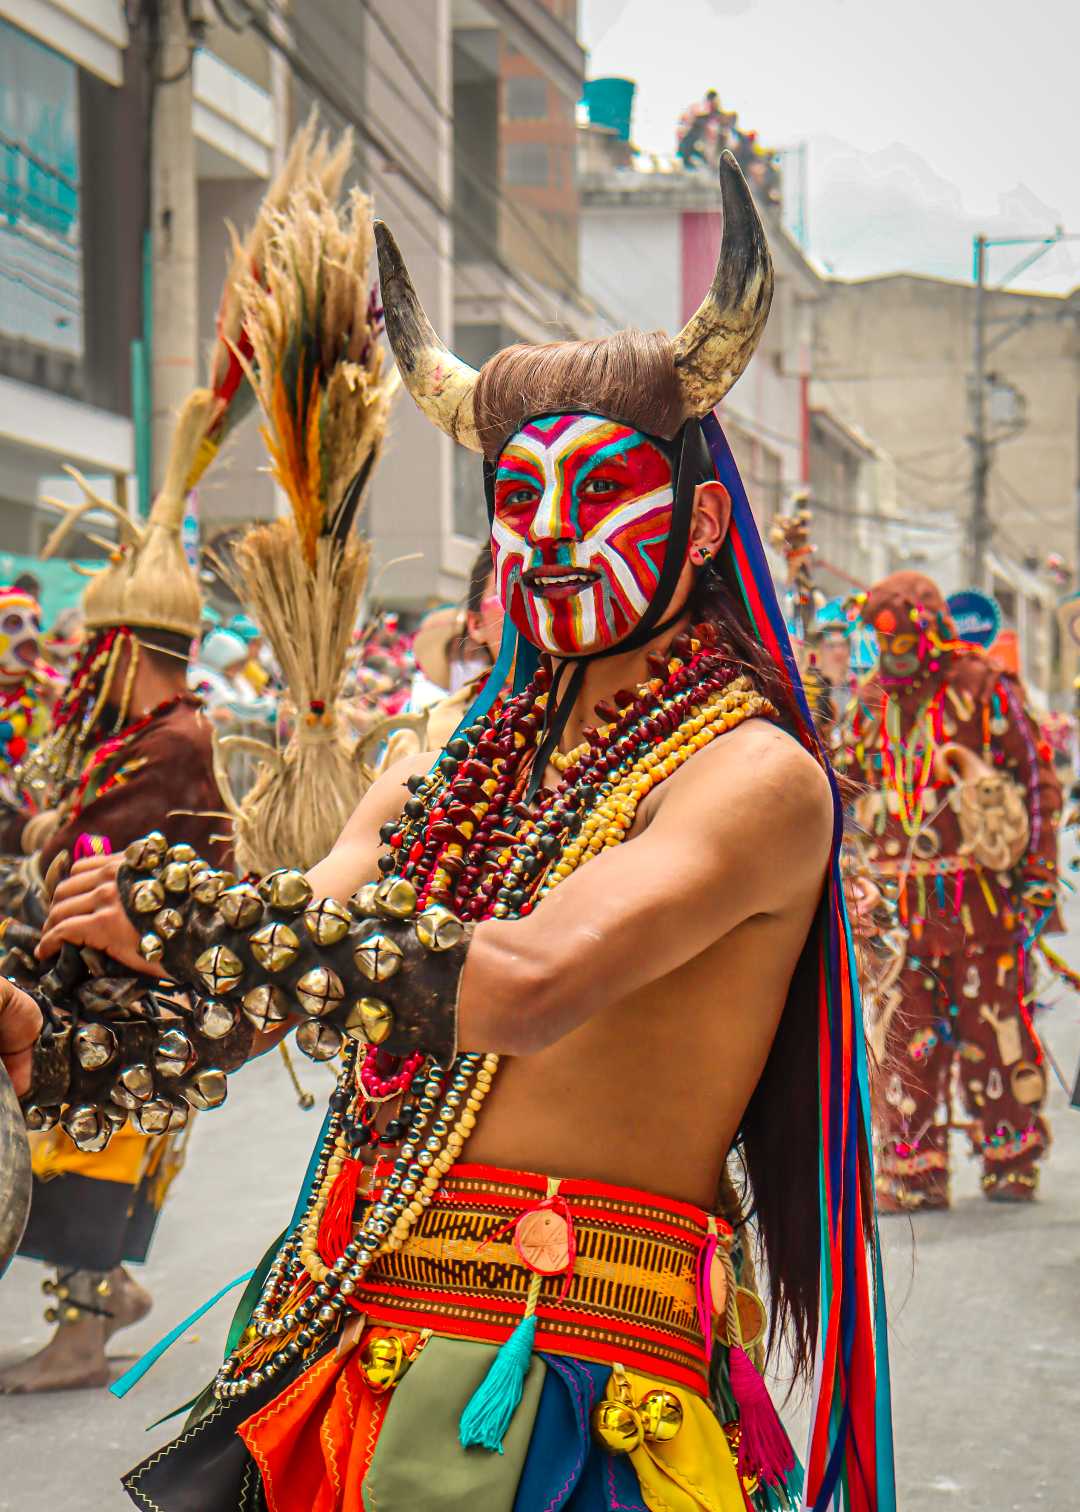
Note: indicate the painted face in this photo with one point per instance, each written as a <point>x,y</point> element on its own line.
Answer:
<point>583,510</point>
<point>20,631</point>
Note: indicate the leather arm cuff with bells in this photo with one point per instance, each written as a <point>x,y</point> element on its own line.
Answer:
<point>111,1049</point>
<point>379,970</point>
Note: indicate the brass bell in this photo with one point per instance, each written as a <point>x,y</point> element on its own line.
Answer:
<point>397,897</point>
<point>168,922</point>
<point>266,1007</point>
<point>173,1053</point>
<point>206,1089</point>
<point>662,1416</point>
<point>151,948</point>
<point>319,991</point>
<point>182,852</point>
<point>288,889</point>
<point>40,1120</point>
<point>132,1087</point>
<point>240,906</point>
<point>87,1128</point>
<point>215,1019</point>
<point>95,1046</point>
<point>439,929</point>
<point>370,1019</point>
<point>377,956</point>
<point>275,946</point>
<point>154,1117</point>
<point>327,921</point>
<point>362,902</point>
<point>207,886</point>
<point>318,1040</point>
<point>146,853</point>
<point>52,1315</point>
<point>618,1426</point>
<point>384,1362</point>
<point>176,878</point>
<point>147,896</point>
<point>220,968</point>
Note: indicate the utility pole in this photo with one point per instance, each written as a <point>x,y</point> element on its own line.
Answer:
<point>980,514</point>
<point>173,226</point>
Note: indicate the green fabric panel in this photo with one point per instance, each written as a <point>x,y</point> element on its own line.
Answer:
<point>419,1461</point>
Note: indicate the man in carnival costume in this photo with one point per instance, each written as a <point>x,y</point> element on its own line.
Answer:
<point>958,823</point>
<point>129,748</point>
<point>594,952</point>
<point>28,686</point>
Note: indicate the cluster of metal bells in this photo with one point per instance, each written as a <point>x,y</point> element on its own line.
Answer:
<point>75,1295</point>
<point>320,993</point>
<point>622,1425</point>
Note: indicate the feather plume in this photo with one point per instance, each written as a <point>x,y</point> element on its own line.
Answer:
<point>311,353</point>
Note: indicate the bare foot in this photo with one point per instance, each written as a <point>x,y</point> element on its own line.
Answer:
<point>127,1302</point>
<point>73,1359</point>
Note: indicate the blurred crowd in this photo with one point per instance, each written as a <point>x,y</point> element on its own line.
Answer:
<point>706,130</point>
<point>431,668</point>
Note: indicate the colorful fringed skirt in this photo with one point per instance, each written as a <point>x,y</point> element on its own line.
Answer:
<point>533,1345</point>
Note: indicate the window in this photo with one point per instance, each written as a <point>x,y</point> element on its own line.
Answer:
<point>526,99</point>
<point>40,242</point>
<point>528,165</point>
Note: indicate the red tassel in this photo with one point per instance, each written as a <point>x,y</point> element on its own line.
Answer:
<point>764,1448</point>
<point>335,1230</point>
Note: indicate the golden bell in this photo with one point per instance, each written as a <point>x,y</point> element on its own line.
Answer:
<point>182,852</point>
<point>319,991</point>
<point>220,969</point>
<point>240,906</point>
<point>148,896</point>
<point>319,1040</point>
<point>396,897</point>
<point>275,946</point>
<point>176,878</point>
<point>168,922</point>
<point>362,902</point>
<point>662,1415</point>
<point>377,956</point>
<point>150,947</point>
<point>327,921</point>
<point>266,1007</point>
<point>618,1426</point>
<point>207,886</point>
<point>384,1362</point>
<point>439,929</point>
<point>287,889</point>
<point>370,1019</point>
<point>146,852</point>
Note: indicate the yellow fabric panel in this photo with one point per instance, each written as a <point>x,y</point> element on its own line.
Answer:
<point>695,1471</point>
<point>126,1158</point>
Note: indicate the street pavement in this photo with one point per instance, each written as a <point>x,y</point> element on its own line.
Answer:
<point>985,1316</point>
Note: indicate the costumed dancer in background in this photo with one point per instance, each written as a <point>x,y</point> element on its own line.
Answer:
<point>130,749</point>
<point>608,952</point>
<point>959,824</point>
<point>28,686</point>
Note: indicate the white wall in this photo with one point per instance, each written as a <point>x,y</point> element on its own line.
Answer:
<point>631,263</point>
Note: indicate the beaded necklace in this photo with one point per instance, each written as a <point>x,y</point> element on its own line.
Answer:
<point>466,839</point>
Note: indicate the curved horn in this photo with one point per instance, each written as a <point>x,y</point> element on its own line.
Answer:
<point>719,339</point>
<point>441,383</point>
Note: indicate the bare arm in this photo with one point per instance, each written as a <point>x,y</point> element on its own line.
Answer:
<point>743,830</point>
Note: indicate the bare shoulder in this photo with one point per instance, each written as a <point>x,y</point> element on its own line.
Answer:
<point>759,781</point>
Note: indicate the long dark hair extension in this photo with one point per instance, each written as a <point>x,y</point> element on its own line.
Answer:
<point>778,1138</point>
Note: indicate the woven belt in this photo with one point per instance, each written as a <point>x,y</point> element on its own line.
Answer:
<point>631,1296</point>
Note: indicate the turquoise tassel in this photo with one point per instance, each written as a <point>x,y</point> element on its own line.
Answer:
<point>491,1407</point>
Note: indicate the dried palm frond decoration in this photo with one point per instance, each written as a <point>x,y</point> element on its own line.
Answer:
<point>316,366</point>
<point>147,583</point>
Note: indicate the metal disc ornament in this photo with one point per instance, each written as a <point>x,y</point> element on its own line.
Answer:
<point>15,1177</point>
<point>542,1239</point>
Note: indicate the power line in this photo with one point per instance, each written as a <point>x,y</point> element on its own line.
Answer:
<point>431,193</point>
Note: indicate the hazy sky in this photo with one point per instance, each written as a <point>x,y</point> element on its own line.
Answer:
<point>926,122</point>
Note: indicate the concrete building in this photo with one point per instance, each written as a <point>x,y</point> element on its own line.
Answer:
<point>464,116</point>
<point>893,356</point>
<point>651,232</point>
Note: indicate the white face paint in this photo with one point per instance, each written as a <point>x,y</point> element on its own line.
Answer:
<point>20,634</point>
<point>583,509</point>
